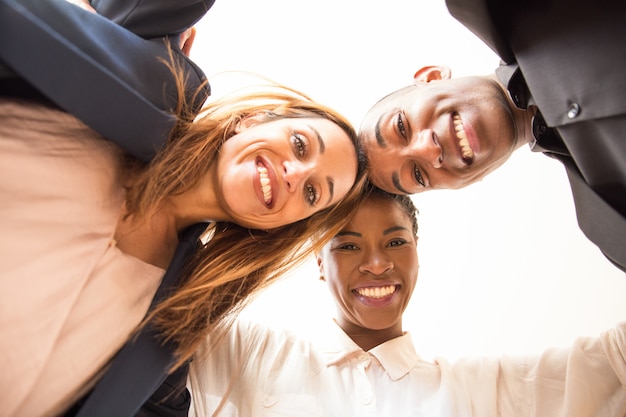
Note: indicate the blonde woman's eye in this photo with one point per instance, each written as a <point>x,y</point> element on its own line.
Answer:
<point>310,194</point>
<point>299,145</point>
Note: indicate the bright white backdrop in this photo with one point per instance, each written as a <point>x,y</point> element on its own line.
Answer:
<point>504,267</point>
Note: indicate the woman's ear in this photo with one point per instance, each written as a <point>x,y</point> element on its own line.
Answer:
<point>250,120</point>
<point>432,73</point>
<point>320,265</point>
<point>186,40</point>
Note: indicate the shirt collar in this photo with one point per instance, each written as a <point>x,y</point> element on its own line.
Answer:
<point>511,77</point>
<point>545,139</point>
<point>397,356</point>
<point>335,345</point>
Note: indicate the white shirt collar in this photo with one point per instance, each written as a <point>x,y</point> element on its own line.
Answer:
<point>397,356</point>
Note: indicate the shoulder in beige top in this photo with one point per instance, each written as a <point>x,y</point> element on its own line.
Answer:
<point>69,298</point>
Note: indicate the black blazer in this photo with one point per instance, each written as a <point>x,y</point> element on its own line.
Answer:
<point>107,76</point>
<point>570,56</point>
<point>153,18</point>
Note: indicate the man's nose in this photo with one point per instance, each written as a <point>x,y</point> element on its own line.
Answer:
<point>426,148</point>
<point>376,263</point>
<point>294,173</point>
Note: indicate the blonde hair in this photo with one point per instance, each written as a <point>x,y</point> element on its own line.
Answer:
<point>235,261</point>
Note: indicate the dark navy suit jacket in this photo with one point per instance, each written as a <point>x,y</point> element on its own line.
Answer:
<point>109,77</point>
<point>567,57</point>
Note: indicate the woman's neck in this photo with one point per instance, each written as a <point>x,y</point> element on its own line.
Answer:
<point>200,203</point>
<point>152,237</point>
<point>370,338</point>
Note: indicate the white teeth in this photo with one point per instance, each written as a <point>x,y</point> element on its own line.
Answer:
<point>376,292</point>
<point>266,188</point>
<point>462,136</point>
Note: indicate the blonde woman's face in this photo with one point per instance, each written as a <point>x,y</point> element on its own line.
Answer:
<point>274,173</point>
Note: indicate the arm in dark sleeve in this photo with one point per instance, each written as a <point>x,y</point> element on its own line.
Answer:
<point>110,78</point>
<point>171,399</point>
<point>153,18</point>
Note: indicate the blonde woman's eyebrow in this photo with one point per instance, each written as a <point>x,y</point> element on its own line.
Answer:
<point>331,188</point>
<point>319,138</point>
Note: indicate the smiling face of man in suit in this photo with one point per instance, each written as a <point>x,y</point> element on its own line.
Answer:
<point>440,132</point>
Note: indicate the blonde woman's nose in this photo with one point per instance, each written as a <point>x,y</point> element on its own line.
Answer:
<point>294,173</point>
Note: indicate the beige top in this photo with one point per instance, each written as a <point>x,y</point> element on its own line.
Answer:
<point>69,298</point>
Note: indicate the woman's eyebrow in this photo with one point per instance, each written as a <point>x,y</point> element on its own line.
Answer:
<point>394,229</point>
<point>348,233</point>
<point>331,188</point>
<point>319,138</point>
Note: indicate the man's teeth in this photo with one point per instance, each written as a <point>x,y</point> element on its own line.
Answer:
<point>265,184</point>
<point>460,134</point>
<point>376,292</point>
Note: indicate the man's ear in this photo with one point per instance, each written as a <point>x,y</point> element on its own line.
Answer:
<point>432,73</point>
<point>250,120</point>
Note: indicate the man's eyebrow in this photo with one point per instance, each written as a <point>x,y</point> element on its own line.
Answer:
<point>319,139</point>
<point>348,233</point>
<point>396,182</point>
<point>379,137</point>
<point>331,188</point>
<point>394,229</point>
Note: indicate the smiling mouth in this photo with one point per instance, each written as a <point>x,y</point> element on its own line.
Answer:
<point>266,187</point>
<point>376,292</point>
<point>466,151</point>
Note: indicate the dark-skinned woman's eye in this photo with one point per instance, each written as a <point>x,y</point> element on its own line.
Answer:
<point>397,242</point>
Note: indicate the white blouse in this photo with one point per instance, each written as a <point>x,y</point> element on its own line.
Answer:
<point>257,371</point>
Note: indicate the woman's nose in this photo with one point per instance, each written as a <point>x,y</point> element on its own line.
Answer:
<point>376,264</point>
<point>294,173</point>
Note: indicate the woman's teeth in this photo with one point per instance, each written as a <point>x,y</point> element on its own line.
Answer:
<point>466,151</point>
<point>265,184</point>
<point>376,292</point>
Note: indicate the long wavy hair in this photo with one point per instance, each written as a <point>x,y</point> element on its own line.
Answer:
<point>232,262</point>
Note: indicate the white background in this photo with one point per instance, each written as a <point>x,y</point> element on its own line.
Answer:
<point>504,266</point>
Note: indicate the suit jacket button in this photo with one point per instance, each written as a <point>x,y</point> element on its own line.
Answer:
<point>573,111</point>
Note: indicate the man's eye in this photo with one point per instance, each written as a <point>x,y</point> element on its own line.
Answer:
<point>418,176</point>
<point>299,145</point>
<point>310,194</point>
<point>400,125</point>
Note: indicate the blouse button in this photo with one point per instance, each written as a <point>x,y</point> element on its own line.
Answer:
<point>573,111</point>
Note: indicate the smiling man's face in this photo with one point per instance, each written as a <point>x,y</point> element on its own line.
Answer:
<point>440,133</point>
